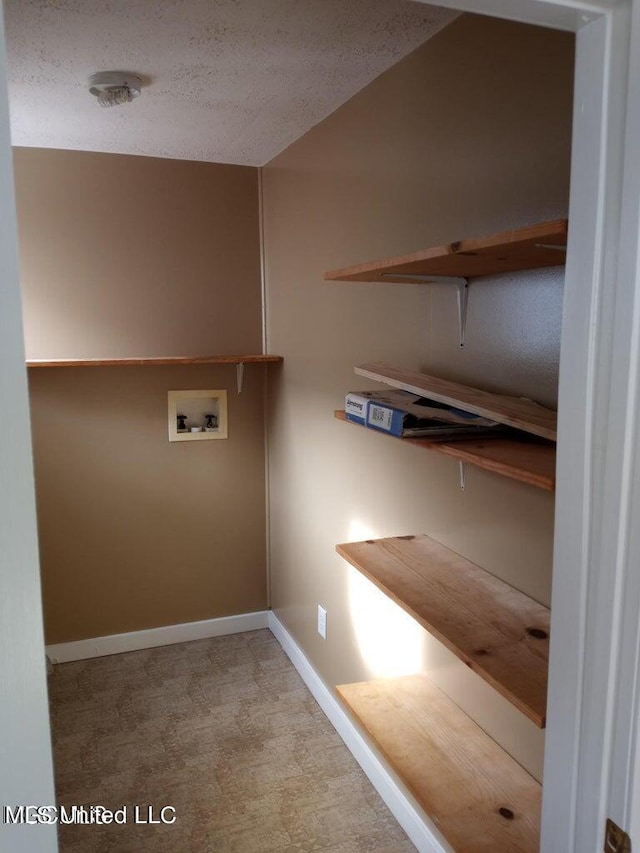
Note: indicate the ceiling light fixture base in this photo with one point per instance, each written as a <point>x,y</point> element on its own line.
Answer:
<point>113,88</point>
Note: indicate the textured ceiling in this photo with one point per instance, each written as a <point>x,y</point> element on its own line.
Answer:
<point>228,81</point>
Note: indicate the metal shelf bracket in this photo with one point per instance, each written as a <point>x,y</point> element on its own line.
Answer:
<point>239,375</point>
<point>462,287</point>
<point>463,474</point>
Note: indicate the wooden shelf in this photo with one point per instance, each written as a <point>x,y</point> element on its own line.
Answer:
<point>526,461</point>
<point>500,633</point>
<point>160,361</point>
<point>522,249</point>
<point>480,799</point>
<point>515,412</point>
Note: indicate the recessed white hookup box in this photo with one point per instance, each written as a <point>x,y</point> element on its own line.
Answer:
<point>197,415</point>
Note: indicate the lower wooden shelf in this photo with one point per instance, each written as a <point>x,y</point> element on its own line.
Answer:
<point>527,461</point>
<point>480,799</point>
<point>497,631</point>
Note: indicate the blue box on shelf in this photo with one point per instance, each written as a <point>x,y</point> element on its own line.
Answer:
<point>404,415</point>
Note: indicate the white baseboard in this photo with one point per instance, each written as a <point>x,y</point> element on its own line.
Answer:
<point>165,636</point>
<point>402,805</point>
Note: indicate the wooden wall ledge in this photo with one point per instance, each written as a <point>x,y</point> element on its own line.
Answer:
<point>528,462</point>
<point>156,361</point>
<point>533,247</point>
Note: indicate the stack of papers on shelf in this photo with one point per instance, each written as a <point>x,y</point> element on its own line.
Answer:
<point>403,414</point>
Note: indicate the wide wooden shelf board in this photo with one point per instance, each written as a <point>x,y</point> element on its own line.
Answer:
<point>509,251</point>
<point>527,462</point>
<point>459,775</point>
<point>515,412</point>
<point>499,632</point>
<point>159,361</point>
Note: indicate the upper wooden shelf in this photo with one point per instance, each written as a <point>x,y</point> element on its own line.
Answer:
<point>479,798</point>
<point>168,360</point>
<point>528,462</point>
<point>500,633</point>
<point>516,412</point>
<point>525,248</point>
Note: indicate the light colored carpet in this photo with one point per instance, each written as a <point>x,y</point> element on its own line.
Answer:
<point>223,730</point>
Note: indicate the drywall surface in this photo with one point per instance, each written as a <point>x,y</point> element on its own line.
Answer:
<point>467,136</point>
<point>126,256</point>
<point>26,770</point>
<point>137,532</point>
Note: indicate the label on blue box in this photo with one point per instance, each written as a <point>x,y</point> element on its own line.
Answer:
<point>355,407</point>
<point>382,417</point>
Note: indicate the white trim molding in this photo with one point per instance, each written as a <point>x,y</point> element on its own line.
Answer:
<point>167,635</point>
<point>568,15</point>
<point>401,804</point>
<point>593,680</point>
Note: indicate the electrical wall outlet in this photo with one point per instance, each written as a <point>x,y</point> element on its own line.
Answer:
<point>322,622</point>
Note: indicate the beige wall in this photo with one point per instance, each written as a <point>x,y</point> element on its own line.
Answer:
<point>136,532</point>
<point>127,256</point>
<point>130,256</point>
<point>469,135</point>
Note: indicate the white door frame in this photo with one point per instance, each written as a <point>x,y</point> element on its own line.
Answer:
<point>592,765</point>
<point>26,774</point>
<point>592,755</point>
<point>591,686</point>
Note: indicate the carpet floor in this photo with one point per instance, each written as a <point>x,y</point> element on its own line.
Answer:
<point>226,733</point>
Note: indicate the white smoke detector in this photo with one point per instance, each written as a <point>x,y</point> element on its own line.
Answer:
<point>113,88</point>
